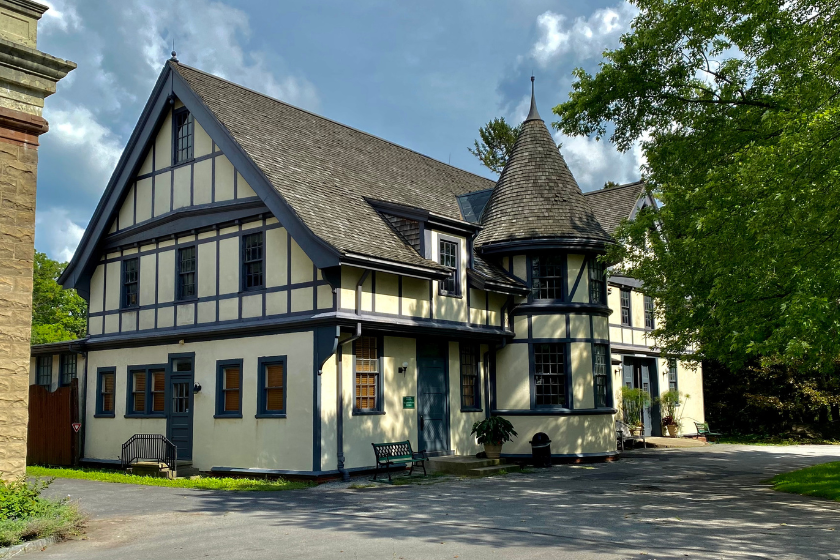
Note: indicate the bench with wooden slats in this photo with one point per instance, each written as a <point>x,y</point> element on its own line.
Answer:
<point>397,453</point>
<point>704,431</point>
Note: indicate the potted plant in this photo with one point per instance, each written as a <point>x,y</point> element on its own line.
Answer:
<point>633,403</point>
<point>493,432</point>
<point>669,405</point>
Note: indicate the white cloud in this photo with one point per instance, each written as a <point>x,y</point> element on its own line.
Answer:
<point>56,234</point>
<point>585,37</point>
<point>61,16</point>
<point>594,162</point>
<point>94,147</point>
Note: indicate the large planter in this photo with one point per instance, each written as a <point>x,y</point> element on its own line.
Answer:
<point>636,431</point>
<point>493,451</point>
<point>672,430</point>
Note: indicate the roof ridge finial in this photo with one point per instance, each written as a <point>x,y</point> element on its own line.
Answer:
<point>174,56</point>
<point>533,114</point>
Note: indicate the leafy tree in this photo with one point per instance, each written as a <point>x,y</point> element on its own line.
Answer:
<point>57,314</point>
<point>496,145</point>
<point>737,108</point>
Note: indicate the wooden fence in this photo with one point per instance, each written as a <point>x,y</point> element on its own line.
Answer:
<point>51,439</point>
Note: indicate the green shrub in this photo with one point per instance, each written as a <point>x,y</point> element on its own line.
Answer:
<point>26,515</point>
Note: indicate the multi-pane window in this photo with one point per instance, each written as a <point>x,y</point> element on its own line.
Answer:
<point>229,381</point>
<point>252,260</point>
<point>130,274</point>
<point>648,312</point>
<point>449,257</point>
<point>596,281</point>
<point>44,377</point>
<point>273,387</point>
<point>183,136</point>
<point>625,306</point>
<point>549,375</point>
<point>367,373</point>
<point>469,377</point>
<point>600,372</point>
<point>672,374</point>
<point>67,368</point>
<point>148,391</point>
<point>547,276</point>
<point>106,385</point>
<point>186,272</point>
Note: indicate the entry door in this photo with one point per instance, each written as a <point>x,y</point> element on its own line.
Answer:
<point>432,406</point>
<point>179,422</point>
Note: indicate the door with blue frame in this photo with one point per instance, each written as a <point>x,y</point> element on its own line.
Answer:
<point>179,415</point>
<point>432,400</point>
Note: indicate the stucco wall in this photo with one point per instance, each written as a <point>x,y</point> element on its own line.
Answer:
<point>570,435</point>
<point>270,443</point>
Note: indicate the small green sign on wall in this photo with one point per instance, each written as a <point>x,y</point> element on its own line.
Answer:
<point>408,402</point>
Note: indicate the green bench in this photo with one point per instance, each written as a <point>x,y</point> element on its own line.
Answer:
<point>397,453</point>
<point>704,431</point>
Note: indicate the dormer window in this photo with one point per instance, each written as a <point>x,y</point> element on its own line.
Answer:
<point>183,128</point>
<point>547,276</point>
<point>448,256</point>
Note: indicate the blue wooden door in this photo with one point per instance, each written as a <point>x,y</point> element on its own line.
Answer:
<point>179,416</point>
<point>432,402</point>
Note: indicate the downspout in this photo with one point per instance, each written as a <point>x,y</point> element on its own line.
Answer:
<point>83,418</point>
<point>340,374</point>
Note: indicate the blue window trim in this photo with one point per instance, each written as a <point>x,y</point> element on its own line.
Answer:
<point>220,396</point>
<point>564,280</point>
<point>629,293</point>
<point>380,407</point>
<point>99,412</point>
<point>568,405</point>
<point>122,283</point>
<point>43,363</point>
<point>62,359</point>
<point>261,363</point>
<point>478,366</point>
<point>178,295</point>
<point>459,292</point>
<point>129,405</point>
<point>242,265</point>
<point>609,391</point>
<point>175,114</point>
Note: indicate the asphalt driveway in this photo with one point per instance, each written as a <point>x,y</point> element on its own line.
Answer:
<point>671,503</point>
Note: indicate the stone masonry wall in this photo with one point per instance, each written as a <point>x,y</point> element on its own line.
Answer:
<point>18,171</point>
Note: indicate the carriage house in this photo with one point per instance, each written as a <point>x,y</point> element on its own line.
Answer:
<point>273,290</point>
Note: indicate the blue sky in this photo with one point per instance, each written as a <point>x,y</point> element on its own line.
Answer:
<point>425,75</point>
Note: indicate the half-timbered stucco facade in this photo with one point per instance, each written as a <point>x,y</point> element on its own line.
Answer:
<point>273,290</point>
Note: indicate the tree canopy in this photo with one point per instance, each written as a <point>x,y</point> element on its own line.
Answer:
<point>737,108</point>
<point>57,314</point>
<point>496,145</point>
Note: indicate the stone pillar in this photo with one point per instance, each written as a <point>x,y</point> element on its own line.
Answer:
<point>27,76</point>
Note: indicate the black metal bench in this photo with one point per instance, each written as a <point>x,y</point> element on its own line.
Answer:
<point>397,453</point>
<point>704,431</point>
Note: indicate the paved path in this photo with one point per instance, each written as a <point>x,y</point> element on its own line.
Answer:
<point>665,503</point>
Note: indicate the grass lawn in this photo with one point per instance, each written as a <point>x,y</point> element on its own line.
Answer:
<point>822,481</point>
<point>757,439</point>
<point>202,483</point>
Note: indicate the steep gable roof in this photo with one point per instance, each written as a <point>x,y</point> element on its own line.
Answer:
<point>325,170</point>
<point>536,197</point>
<point>616,204</point>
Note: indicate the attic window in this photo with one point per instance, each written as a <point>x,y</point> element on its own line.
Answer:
<point>183,144</point>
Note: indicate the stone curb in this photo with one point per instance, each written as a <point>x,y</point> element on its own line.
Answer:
<point>23,548</point>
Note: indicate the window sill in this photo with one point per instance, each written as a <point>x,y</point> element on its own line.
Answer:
<point>220,416</point>
<point>271,415</point>
<point>132,308</point>
<point>103,415</point>
<point>471,409</point>
<point>252,289</point>
<point>447,294</point>
<point>186,299</point>
<point>156,415</point>
<point>357,412</point>
<point>176,165</point>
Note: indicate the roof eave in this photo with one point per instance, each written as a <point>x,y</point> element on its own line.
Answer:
<point>540,244</point>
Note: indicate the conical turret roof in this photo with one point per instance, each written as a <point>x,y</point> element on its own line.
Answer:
<point>537,198</point>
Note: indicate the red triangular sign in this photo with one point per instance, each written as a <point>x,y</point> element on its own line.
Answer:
<point>76,427</point>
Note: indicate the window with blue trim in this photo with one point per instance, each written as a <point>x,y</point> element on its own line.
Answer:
<point>672,374</point>
<point>597,285</point>
<point>67,369</point>
<point>44,371</point>
<point>600,371</point>
<point>625,307</point>
<point>147,390</point>
<point>368,379</point>
<point>186,272</point>
<point>229,388</point>
<point>271,387</point>
<point>448,256</point>
<point>470,379</point>
<point>649,324</point>
<point>549,375</point>
<point>130,277</point>
<point>105,390</point>
<point>252,261</point>
<point>547,276</point>
<point>183,129</point>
